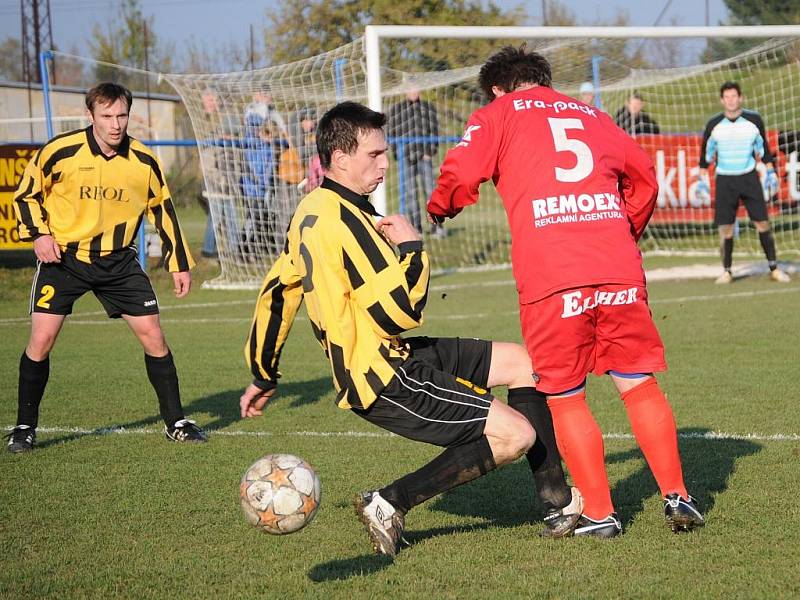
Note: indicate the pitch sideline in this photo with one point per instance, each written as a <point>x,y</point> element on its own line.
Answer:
<point>103,431</point>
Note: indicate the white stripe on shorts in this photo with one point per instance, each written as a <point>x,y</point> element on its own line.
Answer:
<point>33,286</point>
<point>434,420</point>
<point>476,397</point>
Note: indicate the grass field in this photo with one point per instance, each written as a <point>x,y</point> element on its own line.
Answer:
<point>106,507</point>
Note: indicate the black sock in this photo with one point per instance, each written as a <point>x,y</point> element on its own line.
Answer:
<point>164,379</point>
<point>727,253</point>
<point>768,244</point>
<point>543,457</point>
<point>33,377</point>
<point>450,469</point>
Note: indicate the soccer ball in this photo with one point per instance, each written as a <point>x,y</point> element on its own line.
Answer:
<point>279,493</point>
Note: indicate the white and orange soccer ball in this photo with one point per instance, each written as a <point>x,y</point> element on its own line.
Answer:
<point>279,493</point>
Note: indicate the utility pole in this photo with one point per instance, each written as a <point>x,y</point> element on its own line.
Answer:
<point>37,35</point>
<point>544,12</point>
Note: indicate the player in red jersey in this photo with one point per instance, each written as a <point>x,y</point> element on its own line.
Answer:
<point>578,193</point>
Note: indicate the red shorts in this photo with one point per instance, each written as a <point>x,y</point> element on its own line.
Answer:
<point>591,329</point>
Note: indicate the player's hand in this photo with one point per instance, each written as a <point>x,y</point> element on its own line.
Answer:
<point>771,182</point>
<point>182,282</point>
<point>46,249</point>
<point>252,402</point>
<point>702,190</point>
<point>397,229</point>
<point>435,219</point>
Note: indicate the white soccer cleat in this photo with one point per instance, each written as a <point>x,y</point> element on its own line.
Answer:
<point>561,522</point>
<point>725,278</point>
<point>780,276</point>
<point>383,521</point>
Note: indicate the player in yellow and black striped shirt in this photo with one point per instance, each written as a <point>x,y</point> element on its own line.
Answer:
<point>360,297</point>
<point>82,200</point>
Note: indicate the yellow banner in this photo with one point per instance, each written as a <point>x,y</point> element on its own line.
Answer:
<point>13,159</point>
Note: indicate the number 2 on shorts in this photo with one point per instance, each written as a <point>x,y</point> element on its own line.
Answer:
<point>48,291</point>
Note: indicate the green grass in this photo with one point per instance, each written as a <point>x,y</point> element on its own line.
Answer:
<point>92,514</point>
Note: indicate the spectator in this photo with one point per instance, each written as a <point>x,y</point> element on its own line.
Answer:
<point>263,108</point>
<point>414,127</point>
<point>632,119</point>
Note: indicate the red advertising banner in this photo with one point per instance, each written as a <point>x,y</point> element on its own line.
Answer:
<point>676,156</point>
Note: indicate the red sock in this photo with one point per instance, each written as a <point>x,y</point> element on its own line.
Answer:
<point>653,425</point>
<point>580,442</point>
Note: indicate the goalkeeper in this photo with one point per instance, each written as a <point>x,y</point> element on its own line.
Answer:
<point>734,139</point>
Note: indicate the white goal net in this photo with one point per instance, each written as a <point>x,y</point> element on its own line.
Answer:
<point>255,131</point>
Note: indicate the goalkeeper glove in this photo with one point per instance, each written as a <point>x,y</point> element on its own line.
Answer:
<point>771,183</point>
<point>702,190</point>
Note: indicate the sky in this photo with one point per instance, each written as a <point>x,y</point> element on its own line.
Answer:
<point>215,23</point>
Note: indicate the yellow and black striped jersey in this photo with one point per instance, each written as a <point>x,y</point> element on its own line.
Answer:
<point>93,204</point>
<point>359,296</point>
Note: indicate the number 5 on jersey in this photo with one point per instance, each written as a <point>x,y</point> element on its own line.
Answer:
<point>584,163</point>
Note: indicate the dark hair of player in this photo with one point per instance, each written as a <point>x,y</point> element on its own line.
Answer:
<point>107,93</point>
<point>511,67</point>
<point>729,85</point>
<point>339,128</point>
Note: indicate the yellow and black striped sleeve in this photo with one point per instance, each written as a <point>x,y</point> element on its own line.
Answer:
<point>278,301</point>
<point>161,213</point>
<point>392,292</point>
<point>29,200</point>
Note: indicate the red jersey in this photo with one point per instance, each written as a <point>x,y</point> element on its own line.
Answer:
<point>578,191</point>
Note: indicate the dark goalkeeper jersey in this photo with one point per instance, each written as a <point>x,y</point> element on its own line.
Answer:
<point>92,204</point>
<point>359,296</point>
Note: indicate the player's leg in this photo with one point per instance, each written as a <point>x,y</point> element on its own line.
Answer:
<point>726,204</point>
<point>630,350</point>
<point>55,289</point>
<point>424,404</point>
<point>753,199</point>
<point>562,352</point>
<point>511,366</point>
<point>125,291</point>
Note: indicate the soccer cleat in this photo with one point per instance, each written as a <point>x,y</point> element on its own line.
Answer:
<point>682,513</point>
<point>185,431</point>
<point>779,276</point>
<point>726,277</point>
<point>605,528</point>
<point>383,521</point>
<point>561,522</point>
<point>21,439</point>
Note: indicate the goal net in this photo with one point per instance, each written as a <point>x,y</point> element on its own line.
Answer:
<point>255,133</point>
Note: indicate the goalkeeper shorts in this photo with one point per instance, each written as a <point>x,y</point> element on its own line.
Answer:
<point>732,188</point>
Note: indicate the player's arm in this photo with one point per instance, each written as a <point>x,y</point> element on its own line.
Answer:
<point>391,292</point>
<point>278,301</point>
<point>413,260</point>
<point>708,147</point>
<point>638,185</point>
<point>471,162</point>
<point>29,200</point>
<point>161,213</point>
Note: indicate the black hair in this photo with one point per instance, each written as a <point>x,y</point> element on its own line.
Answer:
<point>339,128</point>
<point>729,85</point>
<point>107,93</point>
<point>511,67</point>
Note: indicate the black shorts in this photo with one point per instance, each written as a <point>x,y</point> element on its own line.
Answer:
<point>117,280</point>
<point>439,394</point>
<point>730,188</point>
